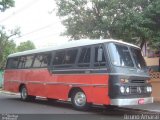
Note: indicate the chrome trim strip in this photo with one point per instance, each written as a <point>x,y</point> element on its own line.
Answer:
<point>131,101</point>
<point>80,74</point>
<point>58,70</point>
<point>60,83</point>
<point>80,69</point>
<point>35,82</point>
<point>12,81</point>
<point>124,74</point>
<point>128,74</point>
<point>55,83</point>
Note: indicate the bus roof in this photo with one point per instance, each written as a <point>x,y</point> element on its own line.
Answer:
<point>70,44</point>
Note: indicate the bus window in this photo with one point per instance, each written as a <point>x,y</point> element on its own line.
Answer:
<point>42,60</point>
<point>138,58</point>
<point>70,56</point>
<point>120,55</point>
<point>99,58</point>
<point>12,63</point>
<point>65,58</point>
<point>29,60</point>
<point>59,57</point>
<point>25,62</point>
<point>84,59</point>
<point>22,61</point>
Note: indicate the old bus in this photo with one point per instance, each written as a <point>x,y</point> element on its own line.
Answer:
<point>106,72</point>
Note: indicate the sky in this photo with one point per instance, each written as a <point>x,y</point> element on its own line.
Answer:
<point>37,21</point>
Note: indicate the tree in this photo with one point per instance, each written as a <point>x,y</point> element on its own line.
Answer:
<point>129,20</point>
<point>153,14</point>
<point>6,46</point>
<point>28,45</point>
<point>5,4</point>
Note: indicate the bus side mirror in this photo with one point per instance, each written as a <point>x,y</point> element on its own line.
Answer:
<point>100,53</point>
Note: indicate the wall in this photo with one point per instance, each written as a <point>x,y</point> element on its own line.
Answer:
<point>155,81</point>
<point>153,63</point>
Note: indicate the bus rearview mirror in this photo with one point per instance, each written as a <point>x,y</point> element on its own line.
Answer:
<point>100,52</point>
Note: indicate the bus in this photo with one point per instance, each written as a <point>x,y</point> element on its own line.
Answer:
<point>104,72</point>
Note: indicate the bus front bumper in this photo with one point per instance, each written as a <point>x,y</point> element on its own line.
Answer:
<point>131,101</point>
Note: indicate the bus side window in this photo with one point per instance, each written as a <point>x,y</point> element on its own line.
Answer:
<point>46,60</point>
<point>12,63</point>
<point>70,56</point>
<point>22,61</point>
<point>42,60</point>
<point>29,61</point>
<point>99,57</point>
<point>84,59</point>
<point>59,57</point>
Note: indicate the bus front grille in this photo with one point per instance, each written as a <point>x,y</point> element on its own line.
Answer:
<point>137,81</point>
<point>137,89</point>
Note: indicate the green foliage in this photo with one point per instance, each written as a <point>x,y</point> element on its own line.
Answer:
<point>135,21</point>
<point>28,45</point>
<point>6,46</point>
<point>4,4</point>
<point>153,14</point>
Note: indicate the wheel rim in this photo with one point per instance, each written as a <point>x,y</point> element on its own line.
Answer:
<point>80,99</point>
<point>24,93</point>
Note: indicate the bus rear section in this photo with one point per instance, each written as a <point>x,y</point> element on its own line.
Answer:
<point>106,73</point>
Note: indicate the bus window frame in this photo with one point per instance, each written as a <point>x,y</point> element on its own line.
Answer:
<point>63,66</point>
<point>49,52</point>
<point>105,56</point>
<point>6,66</point>
<point>110,58</point>
<point>90,61</point>
<point>25,63</point>
<point>135,64</point>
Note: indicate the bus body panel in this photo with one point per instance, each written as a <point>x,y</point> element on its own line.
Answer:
<point>40,82</point>
<point>12,80</point>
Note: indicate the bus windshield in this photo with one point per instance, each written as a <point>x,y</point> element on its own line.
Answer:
<point>138,58</point>
<point>121,56</point>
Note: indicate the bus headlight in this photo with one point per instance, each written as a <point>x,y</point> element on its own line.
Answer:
<point>122,89</point>
<point>127,90</point>
<point>149,89</point>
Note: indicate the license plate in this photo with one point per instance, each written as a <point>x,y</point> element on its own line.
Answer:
<point>141,101</point>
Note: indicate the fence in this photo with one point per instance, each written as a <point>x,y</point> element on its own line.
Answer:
<point>1,78</point>
<point>155,81</point>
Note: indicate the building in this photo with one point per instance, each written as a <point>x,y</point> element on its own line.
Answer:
<point>152,57</point>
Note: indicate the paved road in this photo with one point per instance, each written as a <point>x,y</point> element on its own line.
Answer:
<point>11,105</point>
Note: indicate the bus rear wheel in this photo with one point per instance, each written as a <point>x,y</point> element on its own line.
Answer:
<point>79,100</point>
<point>25,96</point>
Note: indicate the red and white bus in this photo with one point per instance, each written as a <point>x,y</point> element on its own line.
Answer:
<point>106,72</point>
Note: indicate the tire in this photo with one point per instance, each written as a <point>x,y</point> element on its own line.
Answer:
<point>25,96</point>
<point>79,100</point>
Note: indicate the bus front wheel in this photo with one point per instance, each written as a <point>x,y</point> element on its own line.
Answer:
<point>25,96</point>
<point>79,100</point>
